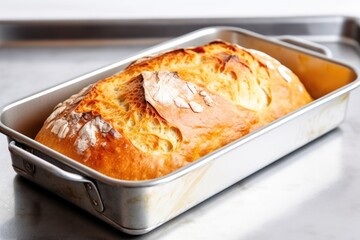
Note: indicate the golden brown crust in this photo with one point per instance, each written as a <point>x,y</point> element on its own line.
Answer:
<point>166,111</point>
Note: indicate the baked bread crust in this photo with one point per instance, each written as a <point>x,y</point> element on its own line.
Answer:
<point>165,111</point>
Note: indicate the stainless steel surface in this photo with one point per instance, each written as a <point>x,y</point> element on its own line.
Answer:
<point>340,49</point>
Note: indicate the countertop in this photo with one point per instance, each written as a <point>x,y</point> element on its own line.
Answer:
<point>312,193</point>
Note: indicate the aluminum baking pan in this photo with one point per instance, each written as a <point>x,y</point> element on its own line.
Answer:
<point>137,207</point>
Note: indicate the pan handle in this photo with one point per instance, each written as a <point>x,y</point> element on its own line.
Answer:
<point>54,170</point>
<point>312,46</point>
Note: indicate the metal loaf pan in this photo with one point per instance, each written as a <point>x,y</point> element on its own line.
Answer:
<point>137,207</point>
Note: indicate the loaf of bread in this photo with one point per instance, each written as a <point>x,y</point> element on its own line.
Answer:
<point>165,111</point>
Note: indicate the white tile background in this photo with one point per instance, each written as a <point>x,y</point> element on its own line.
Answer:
<point>119,9</point>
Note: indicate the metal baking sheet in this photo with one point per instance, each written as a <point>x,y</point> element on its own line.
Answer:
<point>346,44</point>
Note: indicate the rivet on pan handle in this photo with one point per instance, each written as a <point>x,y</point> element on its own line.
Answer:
<point>309,45</point>
<point>35,161</point>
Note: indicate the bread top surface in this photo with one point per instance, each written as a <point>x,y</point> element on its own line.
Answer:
<point>165,111</point>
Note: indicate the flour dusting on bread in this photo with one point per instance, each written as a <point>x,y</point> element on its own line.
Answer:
<point>167,88</point>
